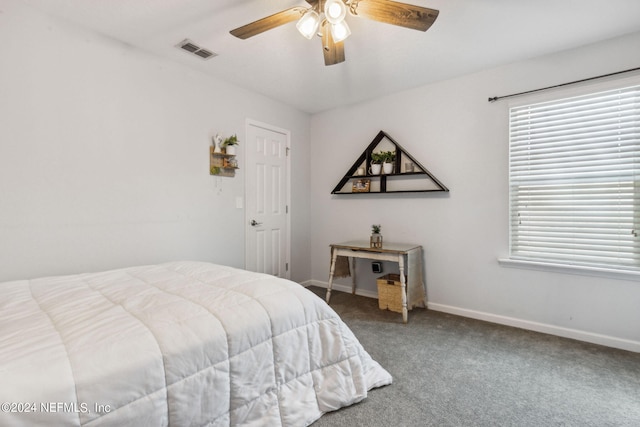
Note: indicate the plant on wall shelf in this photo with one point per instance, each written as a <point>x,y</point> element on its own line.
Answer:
<point>377,158</point>
<point>232,140</point>
<point>229,144</point>
<point>388,156</point>
<point>375,228</point>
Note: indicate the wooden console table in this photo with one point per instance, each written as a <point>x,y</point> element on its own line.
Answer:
<point>408,257</point>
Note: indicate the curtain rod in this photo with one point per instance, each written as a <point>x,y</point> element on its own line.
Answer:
<point>496,98</point>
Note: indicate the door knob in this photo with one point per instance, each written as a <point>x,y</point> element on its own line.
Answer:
<point>255,223</point>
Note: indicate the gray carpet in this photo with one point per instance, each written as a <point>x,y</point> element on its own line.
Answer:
<point>454,371</point>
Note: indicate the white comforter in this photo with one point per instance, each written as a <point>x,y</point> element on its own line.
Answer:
<point>180,344</point>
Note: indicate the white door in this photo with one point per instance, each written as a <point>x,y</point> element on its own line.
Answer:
<point>267,199</point>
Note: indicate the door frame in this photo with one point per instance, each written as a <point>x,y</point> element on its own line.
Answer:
<point>247,226</point>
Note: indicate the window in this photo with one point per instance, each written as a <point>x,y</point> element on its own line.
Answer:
<point>574,168</point>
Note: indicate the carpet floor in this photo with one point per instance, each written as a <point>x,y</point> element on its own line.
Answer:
<point>455,371</point>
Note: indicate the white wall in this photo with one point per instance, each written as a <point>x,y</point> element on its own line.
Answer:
<point>103,163</point>
<point>462,139</point>
<point>104,155</point>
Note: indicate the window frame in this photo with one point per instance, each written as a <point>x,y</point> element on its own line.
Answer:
<point>559,266</point>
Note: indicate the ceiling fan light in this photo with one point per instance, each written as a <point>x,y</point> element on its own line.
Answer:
<point>335,11</point>
<point>308,24</point>
<point>340,31</point>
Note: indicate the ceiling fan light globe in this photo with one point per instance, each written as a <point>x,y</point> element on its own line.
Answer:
<point>340,31</point>
<point>335,11</point>
<point>308,24</point>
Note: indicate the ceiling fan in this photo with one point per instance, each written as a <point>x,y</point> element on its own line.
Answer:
<point>326,18</point>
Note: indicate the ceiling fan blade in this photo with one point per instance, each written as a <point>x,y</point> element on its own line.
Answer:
<point>312,2</point>
<point>395,13</point>
<point>268,23</point>
<point>333,52</point>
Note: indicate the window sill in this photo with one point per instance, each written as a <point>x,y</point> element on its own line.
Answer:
<point>570,269</point>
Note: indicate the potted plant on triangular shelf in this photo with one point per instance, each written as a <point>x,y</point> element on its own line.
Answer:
<point>376,163</point>
<point>387,163</point>
<point>229,144</point>
<point>376,237</point>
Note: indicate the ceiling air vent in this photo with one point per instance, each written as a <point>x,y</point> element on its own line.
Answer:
<point>189,46</point>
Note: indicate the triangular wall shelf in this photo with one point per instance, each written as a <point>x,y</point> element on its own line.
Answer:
<point>401,180</point>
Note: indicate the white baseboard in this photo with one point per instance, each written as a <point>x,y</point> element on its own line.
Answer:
<point>575,334</point>
<point>560,331</point>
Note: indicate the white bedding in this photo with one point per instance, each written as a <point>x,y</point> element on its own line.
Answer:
<point>180,344</point>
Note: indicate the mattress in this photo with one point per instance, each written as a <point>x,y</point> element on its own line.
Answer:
<point>178,344</point>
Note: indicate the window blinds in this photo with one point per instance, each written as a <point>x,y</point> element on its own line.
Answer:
<point>573,175</point>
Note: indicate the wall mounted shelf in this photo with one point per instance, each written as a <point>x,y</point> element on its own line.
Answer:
<point>221,164</point>
<point>408,175</point>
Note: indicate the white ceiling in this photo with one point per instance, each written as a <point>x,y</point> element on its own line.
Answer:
<point>468,36</point>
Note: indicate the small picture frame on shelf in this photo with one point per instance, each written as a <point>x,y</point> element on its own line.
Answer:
<point>229,163</point>
<point>361,185</point>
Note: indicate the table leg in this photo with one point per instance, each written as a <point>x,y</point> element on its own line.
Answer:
<point>353,276</point>
<point>403,286</point>
<point>331,272</point>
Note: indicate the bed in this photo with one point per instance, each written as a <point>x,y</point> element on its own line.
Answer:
<point>179,344</point>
